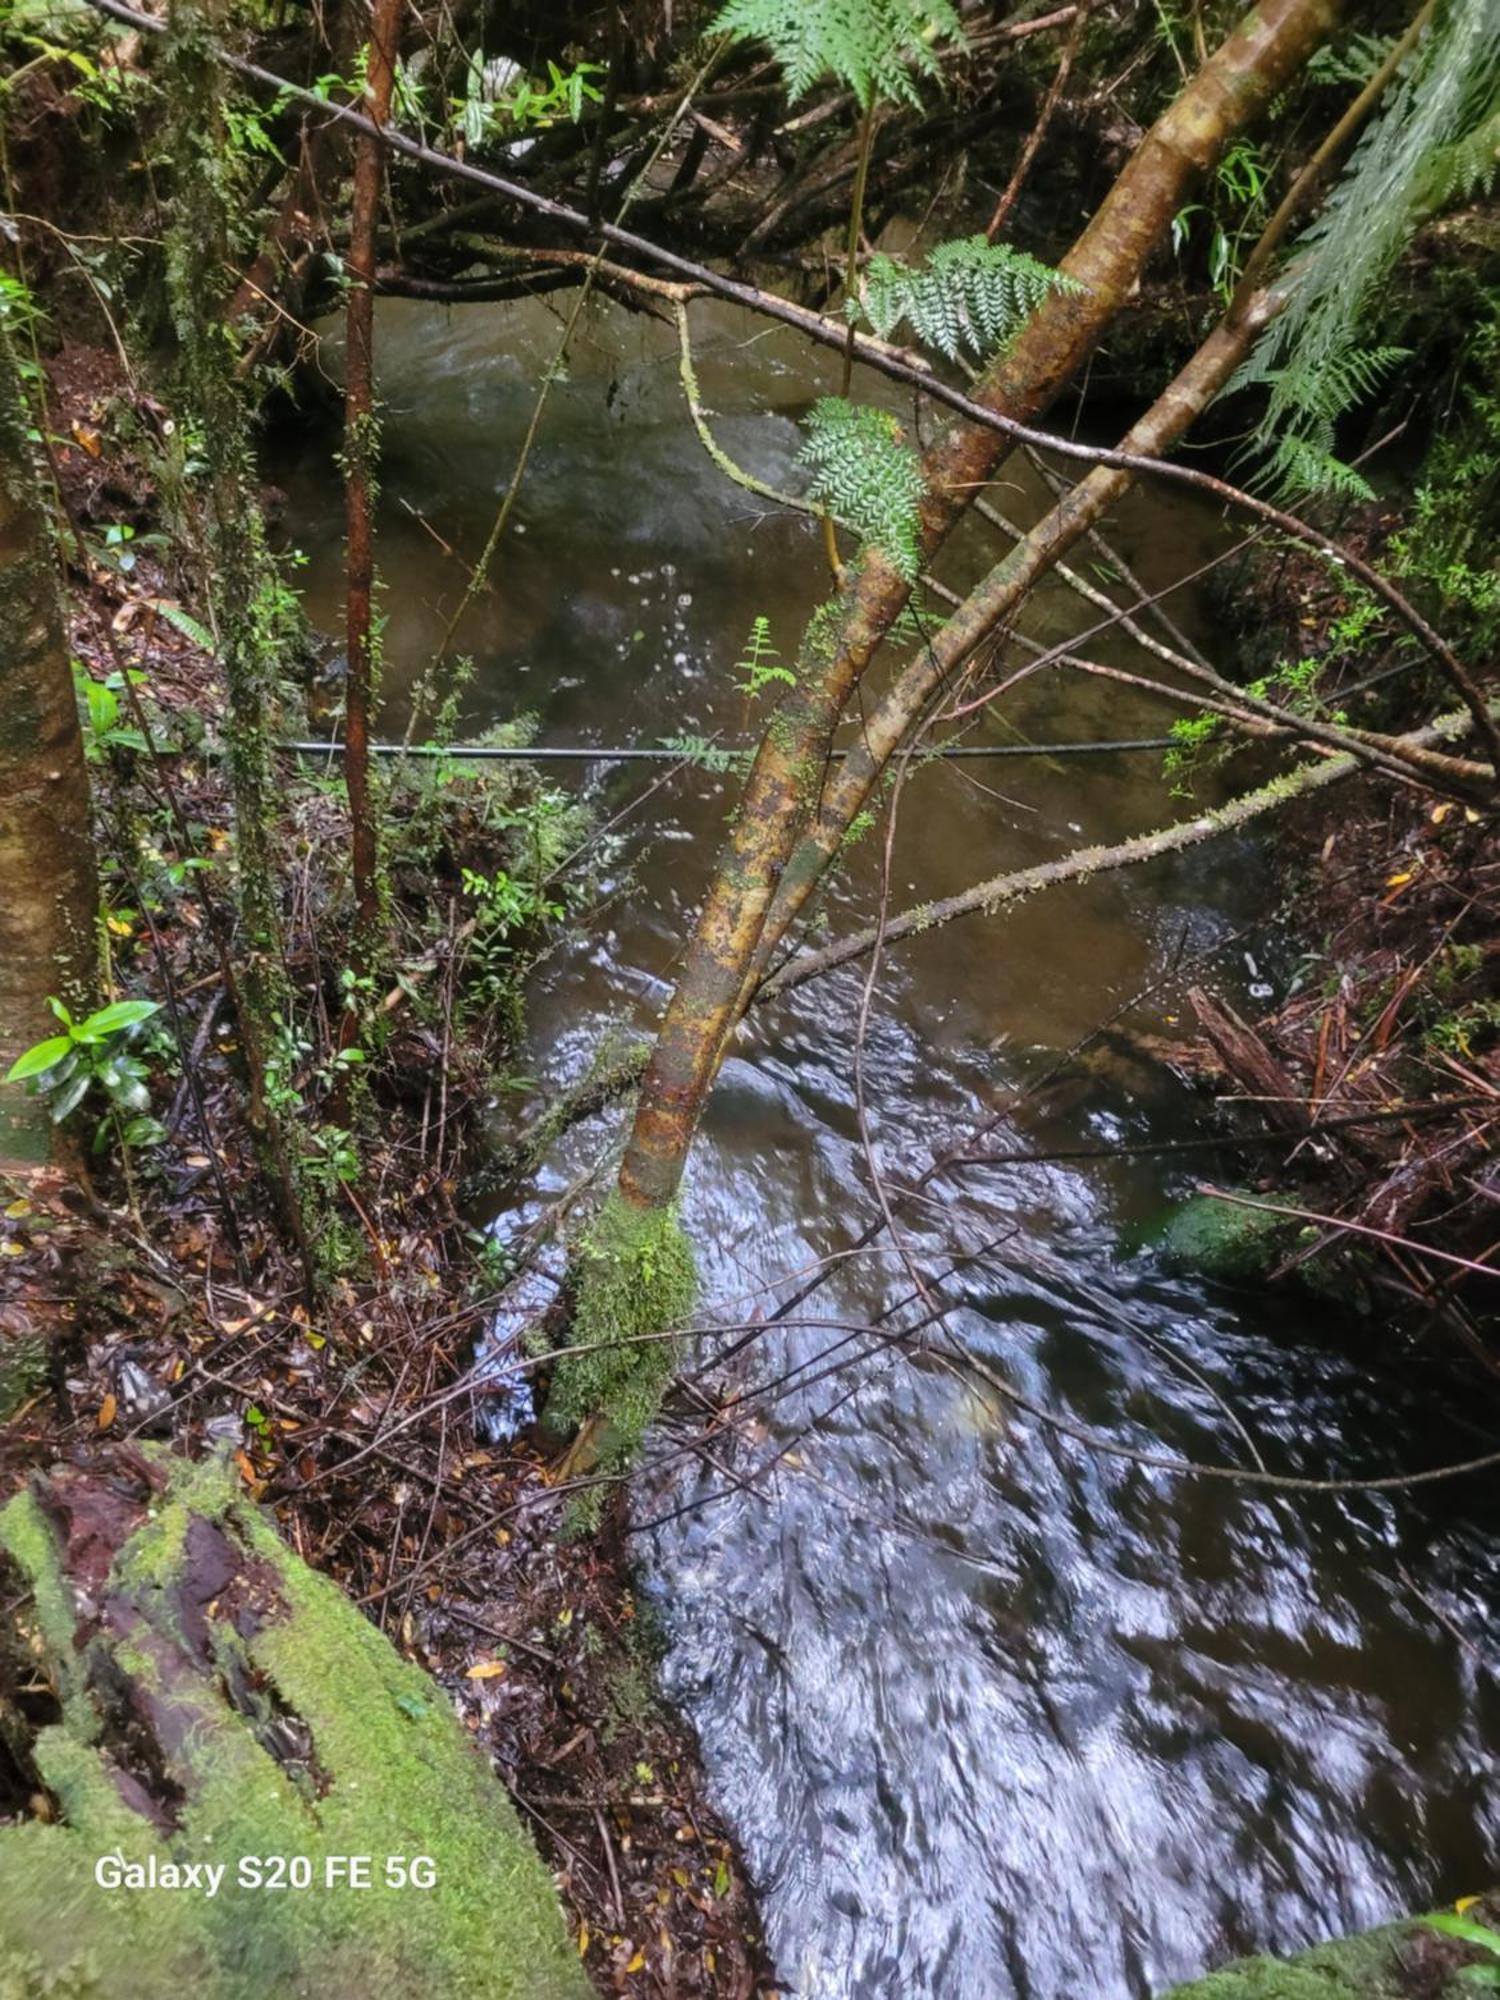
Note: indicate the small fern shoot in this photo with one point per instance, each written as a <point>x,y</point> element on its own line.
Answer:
<point>876,48</point>
<point>969,295</point>
<point>865,472</point>
<point>704,754</point>
<point>761,667</point>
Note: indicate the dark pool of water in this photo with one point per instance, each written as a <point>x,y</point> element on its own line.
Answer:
<point>993,1714</point>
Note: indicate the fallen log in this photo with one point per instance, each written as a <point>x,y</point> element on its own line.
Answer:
<point>233,1785</point>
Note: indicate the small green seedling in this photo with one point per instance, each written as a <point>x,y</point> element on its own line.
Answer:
<point>93,1055</point>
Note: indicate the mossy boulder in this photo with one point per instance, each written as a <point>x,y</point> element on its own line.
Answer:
<point>217,1703</point>
<point>1222,1239</point>
<point>1405,1961</point>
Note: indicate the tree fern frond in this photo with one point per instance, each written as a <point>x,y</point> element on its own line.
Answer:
<point>876,48</point>
<point>969,294</point>
<point>864,471</point>
<point>1355,62</point>
<point>1471,165</point>
<point>1427,142</point>
<point>704,753</point>
<point>1345,379</point>
<point>1304,468</point>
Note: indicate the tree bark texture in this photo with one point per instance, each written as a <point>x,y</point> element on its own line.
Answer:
<point>48,893</point>
<point>359,468</point>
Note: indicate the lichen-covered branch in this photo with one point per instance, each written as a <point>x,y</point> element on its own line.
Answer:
<point>998,891</point>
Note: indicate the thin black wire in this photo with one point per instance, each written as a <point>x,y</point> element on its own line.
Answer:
<point>593,753</point>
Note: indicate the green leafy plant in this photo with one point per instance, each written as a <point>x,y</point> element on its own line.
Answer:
<point>93,1056</point>
<point>19,311</point>
<point>1468,1931</point>
<point>504,905</point>
<point>1447,550</point>
<point>1193,736</point>
<point>760,667</point>
<point>1241,184</point>
<point>507,904</point>
<point>875,48</point>
<point>120,547</point>
<point>966,296</point>
<point>102,709</point>
<point>865,472</point>
<point>520,103</point>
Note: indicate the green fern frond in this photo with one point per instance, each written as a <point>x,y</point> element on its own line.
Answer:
<point>704,754</point>
<point>1304,468</point>
<point>1345,381</point>
<point>969,294</point>
<point>865,472</point>
<point>1469,166</point>
<point>761,666</point>
<point>1355,62</point>
<point>876,48</point>
<point>1428,141</point>
<point>184,622</point>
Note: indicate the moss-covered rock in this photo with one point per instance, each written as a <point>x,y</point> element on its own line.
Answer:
<point>1220,1239</point>
<point>1405,1961</point>
<point>221,1704</point>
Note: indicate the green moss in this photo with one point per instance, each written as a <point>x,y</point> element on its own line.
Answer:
<point>1221,1239</point>
<point>389,1772</point>
<point>1367,1967</point>
<point>636,1284</point>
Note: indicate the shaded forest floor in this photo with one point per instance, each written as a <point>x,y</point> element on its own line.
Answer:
<point>165,1319</point>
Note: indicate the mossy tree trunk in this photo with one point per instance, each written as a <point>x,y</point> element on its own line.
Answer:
<point>360,455</point>
<point>208,210</point>
<point>48,893</point>
<point>216,1701</point>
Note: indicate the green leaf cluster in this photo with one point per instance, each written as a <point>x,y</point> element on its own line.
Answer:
<point>865,472</point>
<point>876,48</point>
<point>966,296</point>
<point>94,1055</point>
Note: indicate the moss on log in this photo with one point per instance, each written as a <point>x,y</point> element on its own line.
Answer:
<point>215,1700</point>
<point>1404,1961</point>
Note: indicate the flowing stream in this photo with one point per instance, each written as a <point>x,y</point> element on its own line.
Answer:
<point>992,1713</point>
